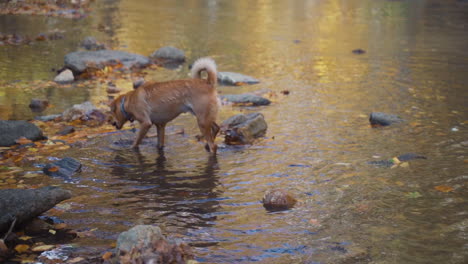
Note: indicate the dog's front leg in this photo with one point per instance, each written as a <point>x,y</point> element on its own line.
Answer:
<point>161,132</point>
<point>144,127</point>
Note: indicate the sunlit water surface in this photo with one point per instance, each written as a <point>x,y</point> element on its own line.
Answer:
<point>318,143</point>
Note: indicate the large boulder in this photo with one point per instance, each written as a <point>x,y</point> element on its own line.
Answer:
<point>11,130</point>
<point>244,129</point>
<point>24,205</point>
<point>246,99</point>
<point>146,244</point>
<point>233,78</point>
<point>79,61</point>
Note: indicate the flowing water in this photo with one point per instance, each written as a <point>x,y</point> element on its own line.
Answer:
<point>318,143</point>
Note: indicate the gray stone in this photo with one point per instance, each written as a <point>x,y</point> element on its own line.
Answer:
<point>64,168</point>
<point>383,119</point>
<point>65,76</point>
<point>146,244</point>
<point>11,130</point>
<point>78,111</point>
<point>277,200</point>
<point>27,204</point>
<point>169,54</point>
<point>47,118</point>
<point>79,61</point>
<point>140,235</point>
<point>38,105</point>
<point>246,99</point>
<point>244,129</point>
<point>232,78</point>
<point>90,43</point>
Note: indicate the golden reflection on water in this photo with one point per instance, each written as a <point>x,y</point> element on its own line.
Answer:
<point>318,139</point>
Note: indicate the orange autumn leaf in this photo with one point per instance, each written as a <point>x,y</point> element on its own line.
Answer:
<point>21,248</point>
<point>23,140</point>
<point>107,255</point>
<point>53,169</point>
<point>443,188</point>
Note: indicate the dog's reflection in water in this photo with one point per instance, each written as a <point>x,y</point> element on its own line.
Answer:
<point>161,190</point>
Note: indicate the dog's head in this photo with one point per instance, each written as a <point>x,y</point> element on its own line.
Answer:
<point>116,116</point>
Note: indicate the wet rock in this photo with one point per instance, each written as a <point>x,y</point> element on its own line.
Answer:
<point>353,254</point>
<point>146,244</point>
<point>232,78</point>
<point>277,200</point>
<point>11,130</point>
<point>112,88</point>
<point>37,226</point>
<point>64,168</point>
<point>246,99</point>
<point>90,43</point>
<point>410,156</point>
<point>383,119</point>
<point>27,204</point>
<point>244,129</point>
<point>64,77</point>
<point>80,61</point>
<point>168,55</point>
<point>85,112</point>
<point>66,130</point>
<point>359,51</point>
<point>47,118</point>
<point>38,105</point>
<point>397,160</point>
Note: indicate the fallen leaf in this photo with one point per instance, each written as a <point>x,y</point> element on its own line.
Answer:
<point>23,140</point>
<point>24,238</point>
<point>413,195</point>
<point>42,248</point>
<point>53,169</point>
<point>21,248</point>
<point>53,232</point>
<point>60,226</point>
<point>75,260</point>
<point>443,188</point>
<point>107,255</point>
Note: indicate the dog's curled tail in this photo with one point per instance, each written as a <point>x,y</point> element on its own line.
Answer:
<point>208,65</point>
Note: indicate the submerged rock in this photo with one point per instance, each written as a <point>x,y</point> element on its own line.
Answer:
<point>64,168</point>
<point>244,129</point>
<point>246,99</point>
<point>383,119</point>
<point>233,78</point>
<point>47,118</point>
<point>85,112</point>
<point>90,43</point>
<point>27,204</point>
<point>146,244</point>
<point>277,200</point>
<point>396,160</point>
<point>79,61</point>
<point>66,130</point>
<point>38,105</point>
<point>359,51</point>
<point>11,130</point>
<point>64,77</point>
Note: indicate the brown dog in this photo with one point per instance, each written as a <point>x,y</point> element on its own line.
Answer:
<point>160,102</point>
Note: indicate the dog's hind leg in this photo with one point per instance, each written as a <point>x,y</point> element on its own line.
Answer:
<point>161,132</point>
<point>144,127</point>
